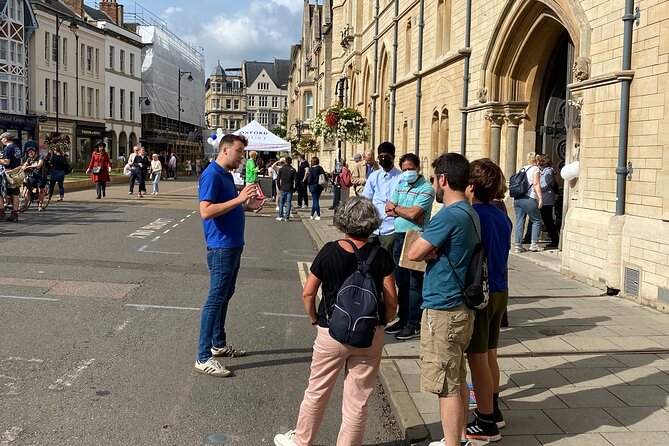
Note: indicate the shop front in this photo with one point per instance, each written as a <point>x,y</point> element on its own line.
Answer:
<point>20,125</point>
<point>47,136</point>
<point>87,135</point>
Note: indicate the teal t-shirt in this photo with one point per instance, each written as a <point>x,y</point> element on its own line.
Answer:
<point>450,231</point>
<point>419,193</point>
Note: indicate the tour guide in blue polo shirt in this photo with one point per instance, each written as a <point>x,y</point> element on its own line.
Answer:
<point>447,324</point>
<point>379,187</point>
<point>222,211</point>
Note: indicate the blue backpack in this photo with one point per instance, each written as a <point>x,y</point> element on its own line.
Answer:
<point>353,318</point>
<point>518,184</point>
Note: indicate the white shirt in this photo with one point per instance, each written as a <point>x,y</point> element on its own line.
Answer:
<point>531,171</point>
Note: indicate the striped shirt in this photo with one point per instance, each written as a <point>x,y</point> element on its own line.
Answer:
<point>406,195</point>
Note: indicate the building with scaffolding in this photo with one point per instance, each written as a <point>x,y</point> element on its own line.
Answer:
<point>171,123</point>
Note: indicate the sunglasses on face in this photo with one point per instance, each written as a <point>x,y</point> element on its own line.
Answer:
<point>386,157</point>
<point>433,177</point>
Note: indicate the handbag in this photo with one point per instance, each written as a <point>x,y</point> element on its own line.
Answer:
<point>67,169</point>
<point>96,169</point>
<point>410,237</point>
<point>15,177</point>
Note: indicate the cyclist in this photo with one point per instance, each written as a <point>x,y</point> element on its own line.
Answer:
<point>35,174</point>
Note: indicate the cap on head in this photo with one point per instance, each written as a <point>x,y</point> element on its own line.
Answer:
<point>357,157</point>
<point>32,149</point>
<point>101,144</point>
<point>7,136</point>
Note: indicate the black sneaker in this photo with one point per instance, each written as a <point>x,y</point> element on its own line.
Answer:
<point>499,418</point>
<point>482,430</point>
<point>395,328</point>
<point>408,333</point>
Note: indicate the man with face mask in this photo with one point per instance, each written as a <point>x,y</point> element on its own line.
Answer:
<point>411,206</point>
<point>379,187</point>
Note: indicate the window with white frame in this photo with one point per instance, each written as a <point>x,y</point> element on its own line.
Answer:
<point>12,51</point>
<point>236,104</point>
<point>47,46</point>
<point>54,48</point>
<point>97,103</point>
<point>132,104</point>
<point>263,118</point>
<point>215,104</point>
<point>19,99</point>
<point>3,49</point>
<point>4,100</point>
<point>112,59</point>
<point>89,59</point>
<point>112,93</point>
<point>121,61</point>
<point>19,53</point>
<point>63,58</point>
<point>252,101</point>
<point>132,64</point>
<point>54,92</point>
<point>47,85</point>
<point>65,99</point>
<point>262,102</point>
<point>89,103</point>
<point>12,97</point>
<point>263,86</point>
<point>228,104</point>
<point>82,63</point>
<point>97,61</point>
<point>308,105</point>
<point>121,101</point>
<point>274,119</point>
<point>275,102</point>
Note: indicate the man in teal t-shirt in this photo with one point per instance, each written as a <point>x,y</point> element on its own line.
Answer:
<point>411,206</point>
<point>447,324</point>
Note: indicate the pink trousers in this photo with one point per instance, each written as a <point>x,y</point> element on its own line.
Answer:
<point>361,366</point>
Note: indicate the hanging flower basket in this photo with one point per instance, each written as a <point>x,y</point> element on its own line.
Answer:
<point>309,145</point>
<point>54,140</point>
<point>341,123</point>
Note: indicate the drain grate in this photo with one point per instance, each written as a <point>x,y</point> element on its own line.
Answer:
<point>632,277</point>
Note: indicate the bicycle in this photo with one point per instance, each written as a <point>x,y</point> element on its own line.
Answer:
<point>28,194</point>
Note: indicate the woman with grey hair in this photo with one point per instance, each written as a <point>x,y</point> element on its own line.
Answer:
<point>357,219</point>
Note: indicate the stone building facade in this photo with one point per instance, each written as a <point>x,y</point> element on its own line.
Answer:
<point>266,86</point>
<point>225,100</point>
<point>503,78</point>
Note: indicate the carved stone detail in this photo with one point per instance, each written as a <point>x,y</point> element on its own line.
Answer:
<point>576,102</point>
<point>581,68</point>
<point>482,95</point>
<point>496,119</point>
<point>514,119</point>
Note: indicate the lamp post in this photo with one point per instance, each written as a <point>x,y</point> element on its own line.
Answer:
<point>342,84</point>
<point>73,27</point>
<point>298,130</point>
<point>190,78</point>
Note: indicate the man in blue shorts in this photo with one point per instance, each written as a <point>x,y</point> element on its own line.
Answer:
<point>446,327</point>
<point>485,180</point>
<point>222,211</point>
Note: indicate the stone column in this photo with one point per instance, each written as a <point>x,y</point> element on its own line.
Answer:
<point>513,121</point>
<point>496,121</point>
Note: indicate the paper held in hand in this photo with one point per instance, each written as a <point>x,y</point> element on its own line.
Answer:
<point>410,237</point>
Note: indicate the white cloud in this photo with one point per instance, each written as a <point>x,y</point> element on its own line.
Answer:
<point>260,30</point>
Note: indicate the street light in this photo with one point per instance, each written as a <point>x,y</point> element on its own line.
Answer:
<point>144,100</point>
<point>190,78</point>
<point>342,84</point>
<point>73,27</point>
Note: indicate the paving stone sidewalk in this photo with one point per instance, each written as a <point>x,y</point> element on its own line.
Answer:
<point>578,367</point>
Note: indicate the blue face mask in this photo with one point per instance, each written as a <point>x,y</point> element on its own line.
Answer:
<point>410,176</point>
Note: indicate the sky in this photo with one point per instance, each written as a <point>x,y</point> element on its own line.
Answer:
<point>231,30</point>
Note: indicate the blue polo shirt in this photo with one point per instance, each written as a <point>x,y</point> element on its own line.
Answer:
<point>419,193</point>
<point>379,187</point>
<point>450,231</point>
<point>496,235</point>
<point>225,231</point>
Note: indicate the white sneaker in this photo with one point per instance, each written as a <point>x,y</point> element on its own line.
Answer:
<point>311,217</point>
<point>518,249</point>
<point>318,217</point>
<point>285,439</point>
<point>277,208</point>
<point>441,442</point>
<point>279,218</point>
<point>212,368</point>
<point>534,247</point>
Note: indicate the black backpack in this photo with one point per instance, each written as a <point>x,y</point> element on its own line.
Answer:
<point>476,290</point>
<point>518,184</point>
<point>353,318</point>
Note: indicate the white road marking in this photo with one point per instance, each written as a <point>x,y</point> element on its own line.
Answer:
<point>148,230</point>
<point>165,307</point>
<point>10,435</point>
<point>155,239</point>
<point>48,299</point>
<point>182,220</point>
<point>250,258</point>
<point>10,387</point>
<point>18,358</point>
<point>143,249</point>
<point>167,231</point>
<point>284,314</point>
<point>188,216</point>
<point>67,379</point>
<point>175,225</point>
<point>121,327</point>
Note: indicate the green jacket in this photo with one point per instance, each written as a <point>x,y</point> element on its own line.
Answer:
<point>251,171</point>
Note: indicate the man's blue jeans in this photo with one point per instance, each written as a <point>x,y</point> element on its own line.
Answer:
<point>410,288</point>
<point>527,207</point>
<point>223,265</point>
<point>285,199</point>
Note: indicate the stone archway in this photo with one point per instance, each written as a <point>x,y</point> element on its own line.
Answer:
<point>123,143</point>
<point>133,141</point>
<point>384,96</point>
<point>112,145</point>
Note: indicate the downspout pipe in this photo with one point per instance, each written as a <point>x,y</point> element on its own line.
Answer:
<point>393,102</point>
<point>375,96</point>
<point>622,169</point>
<point>419,81</point>
<point>466,77</point>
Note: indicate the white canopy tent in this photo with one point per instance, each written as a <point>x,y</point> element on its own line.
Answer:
<point>261,139</point>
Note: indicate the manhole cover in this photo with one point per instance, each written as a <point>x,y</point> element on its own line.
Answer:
<point>217,438</point>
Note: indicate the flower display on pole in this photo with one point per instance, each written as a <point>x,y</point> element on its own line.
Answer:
<point>341,123</point>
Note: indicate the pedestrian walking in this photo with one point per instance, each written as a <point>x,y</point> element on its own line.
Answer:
<point>410,205</point>
<point>485,181</point>
<point>528,206</point>
<point>549,189</point>
<point>336,184</point>
<point>99,168</point>
<point>273,175</point>
<point>156,170</point>
<point>336,261</point>
<point>59,168</point>
<point>188,169</point>
<point>345,181</point>
<point>446,327</point>
<point>314,177</point>
<point>251,170</point>
<point>222,211</point>
<point>379,186</point>
<point>10,158</point>
<point>141,165</point>
<point>286,178</point>
<point>172,167</point>
<point>35,167</point>
<point>198,166</point>
<point>302,173</point>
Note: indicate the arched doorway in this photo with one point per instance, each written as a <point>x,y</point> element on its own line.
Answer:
<point>123,143</point>
<point>133,140</point>
<point>112,145</point>
<point>384,127</point>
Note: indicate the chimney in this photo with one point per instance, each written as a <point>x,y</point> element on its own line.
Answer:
<point>76,5</point>
<point>110,7</point>
<point>120,12</point>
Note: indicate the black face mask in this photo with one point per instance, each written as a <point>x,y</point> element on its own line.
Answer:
<point>386,163</point>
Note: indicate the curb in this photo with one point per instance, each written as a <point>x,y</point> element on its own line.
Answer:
<point>75,186</point>
<point>407,414</point>
<point>539,262</point>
